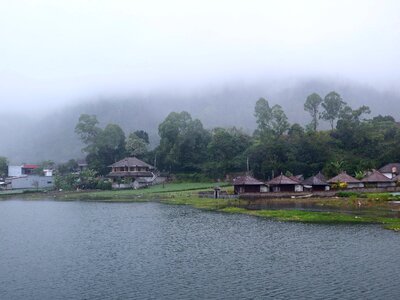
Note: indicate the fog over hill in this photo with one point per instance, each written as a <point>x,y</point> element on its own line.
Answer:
<point>29,138</point>
<point>133,62</point>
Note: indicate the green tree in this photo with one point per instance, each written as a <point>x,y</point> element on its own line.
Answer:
<point>353,116</point>
<point>136,146</point>
<point>311,105</point>
<point>270,120</point>
<point>332,105</point>
<point>183,143</point>
<point>3,166</point>
<point>103,146</point>
<point>350,130</point>
<point>263,114</point>
<point>226,151</point>
<point>296,130</point>
<point>68,167</point>
<point>338,166</point>
<point>87,179</point>
<point>279,122</point>
<point>87,130</point>
<point>109,147</point>
<point>142,135</point>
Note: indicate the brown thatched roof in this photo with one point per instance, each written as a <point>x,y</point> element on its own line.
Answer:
<point>314,180</point>
<point>376,176</point>
<point>396,178</point>
<point>282,180</point>
<point>321,176</point>
<point>390,167</point>
<point>246,180</point>
<point>343,177</point>
<point>131,162</point>
<point>298,178</point>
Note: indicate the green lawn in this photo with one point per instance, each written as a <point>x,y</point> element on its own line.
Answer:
<point>317,217</point>
<point>145,193</point>
<point>187,194</point>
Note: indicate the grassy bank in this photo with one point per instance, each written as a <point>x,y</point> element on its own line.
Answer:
<point>231,206</point>
<point>150,193</point>
<point>316,217</point>
<point>187,194</point>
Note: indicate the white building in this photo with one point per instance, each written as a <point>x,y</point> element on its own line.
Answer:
<point>24,177</point>
<point>25,169</point>
<point>30,182</point>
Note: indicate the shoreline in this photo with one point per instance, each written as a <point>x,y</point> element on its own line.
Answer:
<point>375,208</point>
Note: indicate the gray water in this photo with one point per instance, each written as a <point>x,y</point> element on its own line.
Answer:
<point>89,250</point>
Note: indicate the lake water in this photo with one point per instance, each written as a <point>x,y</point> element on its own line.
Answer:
<point>93,250</point>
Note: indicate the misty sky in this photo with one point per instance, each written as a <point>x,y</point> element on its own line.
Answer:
<point>56,52</point>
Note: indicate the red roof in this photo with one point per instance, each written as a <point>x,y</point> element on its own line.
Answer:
<point>30,166</point>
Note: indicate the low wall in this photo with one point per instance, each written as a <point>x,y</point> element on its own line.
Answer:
<point>222,195</point>
<point>31,182</point>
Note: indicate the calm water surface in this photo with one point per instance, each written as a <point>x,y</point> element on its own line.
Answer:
<point>86,250</point>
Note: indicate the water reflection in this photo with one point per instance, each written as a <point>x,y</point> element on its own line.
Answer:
<point>78,250</point>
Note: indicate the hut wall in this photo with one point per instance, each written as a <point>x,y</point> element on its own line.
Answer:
<point>239,189</point>
<point>283,188</point>
<point>385,184</point>
<point>319,188</point>
<point>252,188</point>
<point>355,185</point>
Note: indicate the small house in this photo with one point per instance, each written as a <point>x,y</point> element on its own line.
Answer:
<point>24,169</point>
<point>347,179</point>
<point>131,172</point>
<point>82,164</point>
<point>283,183</point>
<point>390,170</point>
<point>316,183</point>
<point>377,179</point>
<point>248,184</point>
<point>29,182</point>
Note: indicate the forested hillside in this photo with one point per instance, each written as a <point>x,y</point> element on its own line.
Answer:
<point>28,137</point>
<point>354,143</point>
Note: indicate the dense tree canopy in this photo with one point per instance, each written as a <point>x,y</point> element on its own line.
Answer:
<point>103,146</point>
<point>355,144</point>
<point>226,151</point>
<point>183,144</point>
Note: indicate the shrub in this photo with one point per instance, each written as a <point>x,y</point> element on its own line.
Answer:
<point>344,194</point>
<point>104,185</point>
<point>66,182</point>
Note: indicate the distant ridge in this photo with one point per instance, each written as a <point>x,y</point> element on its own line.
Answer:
<point>53,137</point>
